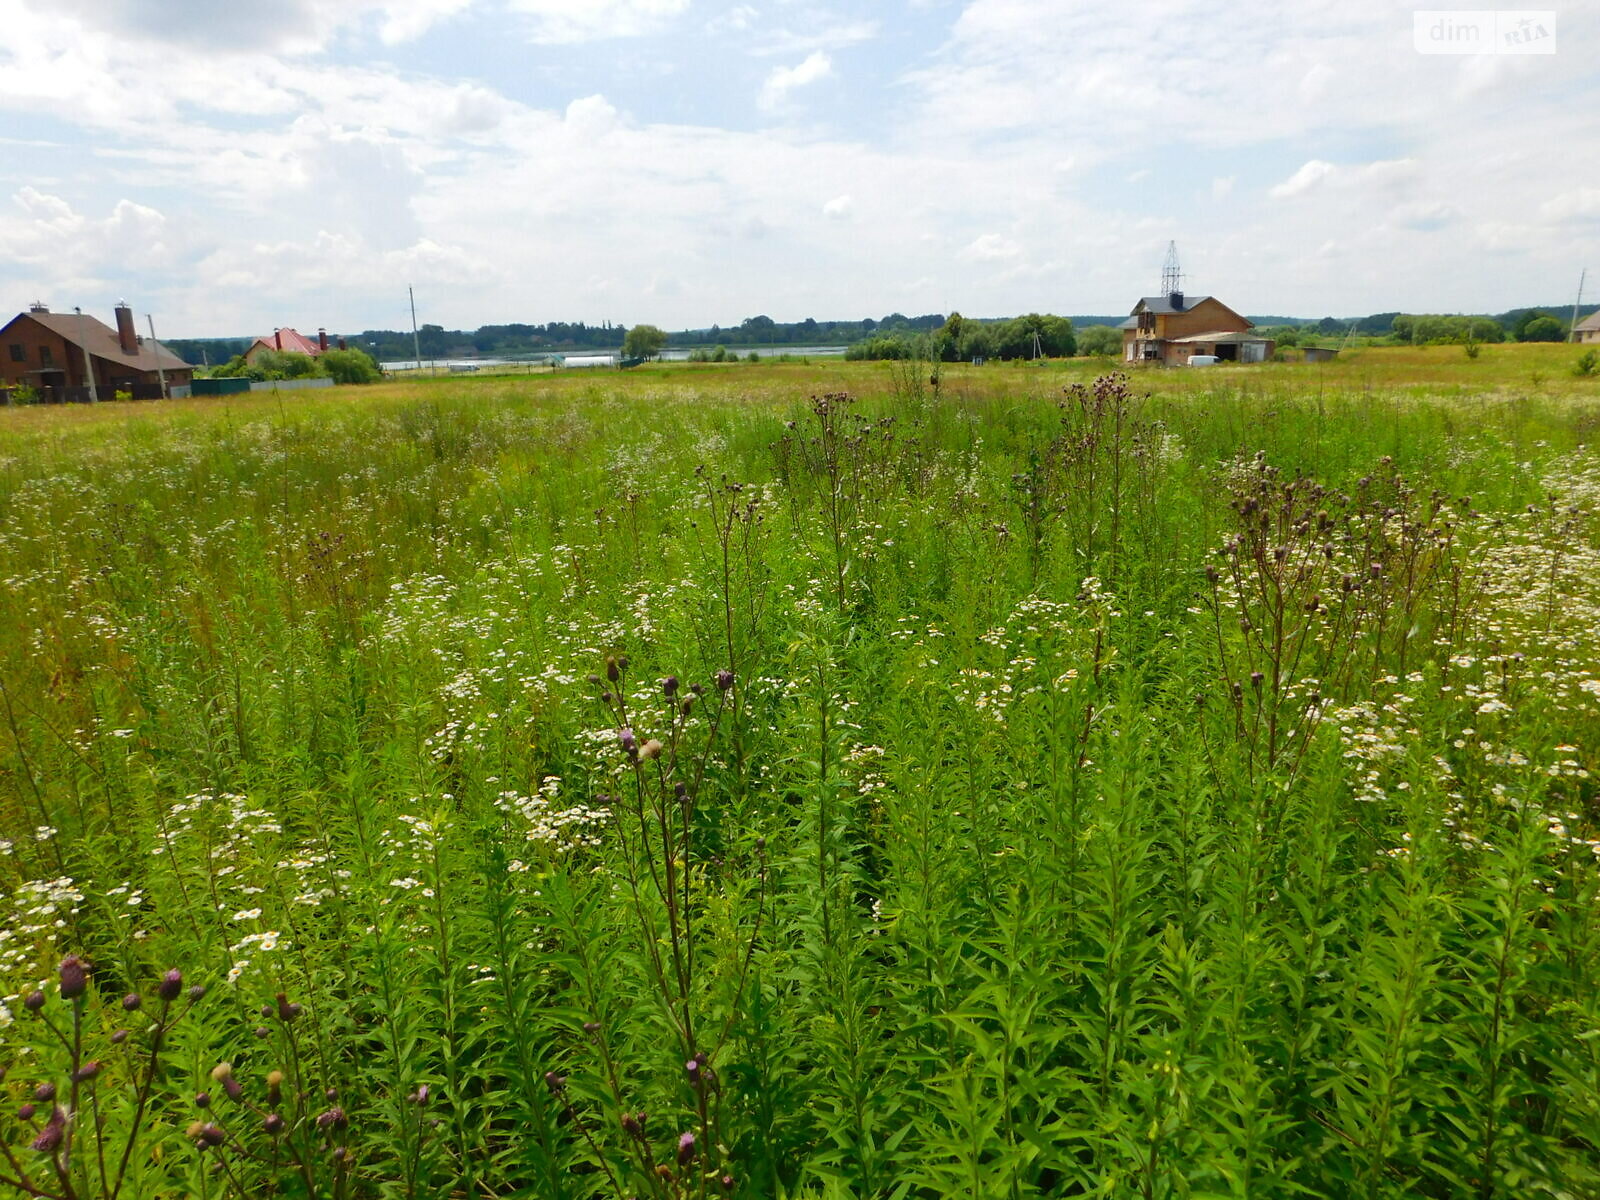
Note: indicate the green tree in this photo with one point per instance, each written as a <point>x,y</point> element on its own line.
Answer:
<point>643,341</point>
<point>351,366</point>
<point>1101,340</point>
<point>1543,328</point>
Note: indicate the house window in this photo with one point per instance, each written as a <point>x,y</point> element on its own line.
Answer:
<point>44,356</point>
<point>19,352</point>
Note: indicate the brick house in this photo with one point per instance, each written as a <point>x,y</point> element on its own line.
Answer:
<point>1168,329</point>
<point>288,341</point>
<point>53,353</point>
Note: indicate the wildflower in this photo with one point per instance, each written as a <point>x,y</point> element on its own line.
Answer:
<point>685,1149</point>
<point>334,1118</point>
<point>724,679</point>
<point>272,1124</point>
<point>49,1139</point>
<point>171,984</point>
<point>132,1002</point>
<point>74,975</point>
<point>86,1072</point>
<point>651,749</point>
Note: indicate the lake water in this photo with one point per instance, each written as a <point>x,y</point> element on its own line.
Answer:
<point>604,359</point>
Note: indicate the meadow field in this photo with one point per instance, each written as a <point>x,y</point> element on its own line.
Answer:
<point>808,780</point>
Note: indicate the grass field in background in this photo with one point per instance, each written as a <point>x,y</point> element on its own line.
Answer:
<point>808,779</point>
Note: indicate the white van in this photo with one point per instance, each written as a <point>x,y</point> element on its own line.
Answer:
<point>1203,360</point>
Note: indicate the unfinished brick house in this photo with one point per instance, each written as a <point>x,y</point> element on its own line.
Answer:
<point>1168,329</point>
<point>73,357</point>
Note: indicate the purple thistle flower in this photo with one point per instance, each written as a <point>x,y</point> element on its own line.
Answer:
<point>334,1118</point>
<point>34,1001</point>
<point>685,1149</point>
<point>669,686</point>
<point>25,1113</point>
<point>724,679</point>
<point>86,1072</point>
<point>45,1093</point>
<point>49,1139</point>
<point>132,1002</point>
<point>273,1124</point>
<point>171,984</point>
<point>74,976</point>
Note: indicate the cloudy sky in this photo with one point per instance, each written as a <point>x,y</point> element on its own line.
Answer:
<point>233,167</point>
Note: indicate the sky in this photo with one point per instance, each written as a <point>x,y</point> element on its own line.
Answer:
<point>230,168</point>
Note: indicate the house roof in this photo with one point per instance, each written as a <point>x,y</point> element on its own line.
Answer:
<point>292,342</point>
<point>101,341</point>
<point>1163,304</point>
<point>1592,321</point>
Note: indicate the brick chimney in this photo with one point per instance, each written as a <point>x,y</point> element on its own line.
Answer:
<point>322,339</point>
<point>277,339</point>
<point>126,334</point>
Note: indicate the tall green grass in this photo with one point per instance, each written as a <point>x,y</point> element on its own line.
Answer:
<point>687,789</point>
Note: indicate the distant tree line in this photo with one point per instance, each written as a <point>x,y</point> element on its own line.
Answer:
<point>891,336</point>
<point>962,339</point>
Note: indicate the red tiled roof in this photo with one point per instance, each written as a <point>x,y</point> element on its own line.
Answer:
<point>290,341</point>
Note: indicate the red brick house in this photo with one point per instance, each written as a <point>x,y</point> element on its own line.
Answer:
<point>53,353</point>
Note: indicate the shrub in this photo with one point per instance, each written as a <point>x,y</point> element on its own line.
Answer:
<point>1588,364</point>
<point>351,366</point>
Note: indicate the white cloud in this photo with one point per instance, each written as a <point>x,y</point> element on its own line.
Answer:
<point>827,37</point>
<point>1306,178</point>
<point>990,247</point>
<point>1316,173</point>
<point>1222,187</point>
<point>564,21</point>
<point>1578,204</point>
<point>288,26</point>
<point>783,80</point>
<point>839,207</point>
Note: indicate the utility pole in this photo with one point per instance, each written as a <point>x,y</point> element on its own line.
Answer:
<point>1572,325</point>
<point>416,342</point>
<point>155,349</point>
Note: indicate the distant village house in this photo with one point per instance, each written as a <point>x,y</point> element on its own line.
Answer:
<point>1588,329</point>
<point>73,357</point>
<point>1170,329</point>
<point>289,341</point>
